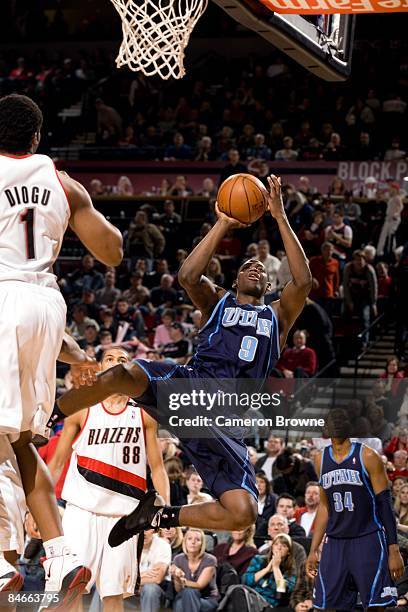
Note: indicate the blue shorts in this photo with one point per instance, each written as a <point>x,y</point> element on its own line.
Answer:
<point>221,460</point>
<point>351,566</point>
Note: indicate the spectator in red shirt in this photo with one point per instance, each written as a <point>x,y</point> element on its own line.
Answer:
<point>306,515</point>
<point>392,376</point>
<point>299,361</point>
<point>238,550</point>
<point>383,279</point>
<point>399,461</point>
<point>326,275</point>
<point>399,442</point>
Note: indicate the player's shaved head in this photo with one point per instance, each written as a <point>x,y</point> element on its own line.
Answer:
<point>338,424</point>
<point>20,124</point>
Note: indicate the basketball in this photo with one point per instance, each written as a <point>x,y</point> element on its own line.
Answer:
<point>243,197</point>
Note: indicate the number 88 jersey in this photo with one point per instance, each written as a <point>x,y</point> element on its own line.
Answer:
<point>352,507</point>
<point>34,214</point>
<point>107,470</point>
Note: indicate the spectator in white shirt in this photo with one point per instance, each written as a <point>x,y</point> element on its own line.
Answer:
<point>287,153</point>
<point>274,446</point>
<point>154,563</point>
<point>339,235</point>
<point>392,220</point>
<point>271,263</point>
<point>194,484</point>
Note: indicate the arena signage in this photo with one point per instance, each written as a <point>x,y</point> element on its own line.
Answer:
<point>382,171</point>
<point>315,7</point>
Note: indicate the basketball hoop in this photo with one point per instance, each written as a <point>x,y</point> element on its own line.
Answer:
<point>155,34</point>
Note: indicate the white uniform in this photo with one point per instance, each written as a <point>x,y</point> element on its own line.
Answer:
<point>12,500</point>
<point>105,479</point>
<point>34,214</point>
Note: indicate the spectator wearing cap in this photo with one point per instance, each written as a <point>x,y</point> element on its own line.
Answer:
<point>164,295</point>
<point>137,293</point>
<point>360,289</point>
<point>109,294</point>
<point>395,206</point>
<point>179,347</point>
<point>326,275</point>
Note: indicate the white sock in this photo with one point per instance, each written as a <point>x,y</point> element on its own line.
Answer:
<point>55,547</point>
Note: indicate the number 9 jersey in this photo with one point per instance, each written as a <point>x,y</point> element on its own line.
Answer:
<point>351,499</point>
<point>34,214</point>
<point>238,341</point>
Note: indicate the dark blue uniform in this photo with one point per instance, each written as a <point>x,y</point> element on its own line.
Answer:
<point>239,341</point>
<point>355,552</point>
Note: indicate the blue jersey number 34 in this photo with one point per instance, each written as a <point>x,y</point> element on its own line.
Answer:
<point>340,504</point>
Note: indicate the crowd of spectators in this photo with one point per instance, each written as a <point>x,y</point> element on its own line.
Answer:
<point>266,107</point>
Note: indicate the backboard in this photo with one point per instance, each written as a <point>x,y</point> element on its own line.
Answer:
<point>321,43</point>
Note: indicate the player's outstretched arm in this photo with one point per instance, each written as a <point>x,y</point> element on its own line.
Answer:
<point>99,236</point>
<point>296,291</point>
<point>155,458</point>
<point>204,293</point>
<point>385,512</point>
<point>72,427</point>
<point>83,367</point>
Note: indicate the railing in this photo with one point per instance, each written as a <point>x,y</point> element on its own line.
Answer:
<point>291,400</point>
<point>366,348</point>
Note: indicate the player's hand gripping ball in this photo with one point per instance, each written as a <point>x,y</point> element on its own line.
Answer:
<point>243,197</point>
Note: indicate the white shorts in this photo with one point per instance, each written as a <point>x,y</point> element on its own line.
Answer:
<point>32,323</point>
<point>12,501</point>
<point>114,570</point>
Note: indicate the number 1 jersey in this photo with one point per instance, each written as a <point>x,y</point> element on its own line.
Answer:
<point>34,214</point>
<point>352,506</point>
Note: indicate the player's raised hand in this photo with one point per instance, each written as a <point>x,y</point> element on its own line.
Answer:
<point>312,564</point>
<point>275,201</point>
<point>233,223</point>
<point>84,372</point>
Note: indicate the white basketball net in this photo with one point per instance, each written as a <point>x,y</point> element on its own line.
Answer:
<point>155,34</point>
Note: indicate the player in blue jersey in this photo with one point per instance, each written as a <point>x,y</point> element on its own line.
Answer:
<point>240,338</point>
<point>356,519</point>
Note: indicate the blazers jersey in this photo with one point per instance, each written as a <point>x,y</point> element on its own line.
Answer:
<point>107,470</point>
<point>34,214</point>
